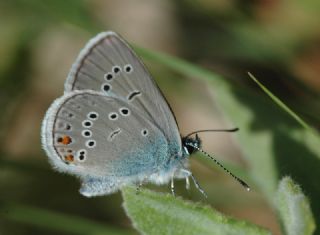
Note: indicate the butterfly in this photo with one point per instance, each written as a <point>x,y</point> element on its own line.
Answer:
<point>113,127</point>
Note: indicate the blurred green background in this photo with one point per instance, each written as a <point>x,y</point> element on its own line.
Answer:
<point>277,40</point>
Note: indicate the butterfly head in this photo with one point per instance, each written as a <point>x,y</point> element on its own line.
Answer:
<point>191,145</point>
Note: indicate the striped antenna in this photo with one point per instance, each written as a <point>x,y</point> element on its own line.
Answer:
<point>213,130</point>
<point>244,184</point>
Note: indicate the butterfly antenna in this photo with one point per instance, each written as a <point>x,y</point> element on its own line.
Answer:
<point>214,130</point>
<point>244,184</point>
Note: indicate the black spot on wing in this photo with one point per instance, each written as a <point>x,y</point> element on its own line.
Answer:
<point>133,94</point>
<point>114,134</point>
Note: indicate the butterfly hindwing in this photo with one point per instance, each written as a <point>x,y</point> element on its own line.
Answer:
<point>90,134</point>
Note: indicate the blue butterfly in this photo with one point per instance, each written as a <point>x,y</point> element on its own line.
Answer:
<point>113,126</point>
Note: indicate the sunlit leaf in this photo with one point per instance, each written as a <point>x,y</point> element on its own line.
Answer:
<point>156,213</point>
<point>294,209</point>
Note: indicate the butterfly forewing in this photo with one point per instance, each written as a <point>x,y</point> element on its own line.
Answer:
<point>102,136</point>
<point>108,65</point>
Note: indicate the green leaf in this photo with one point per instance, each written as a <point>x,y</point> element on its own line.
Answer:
<point>157,213</point>
<point>54,220</point>
<point>294,209</point>
<point>281,104</point>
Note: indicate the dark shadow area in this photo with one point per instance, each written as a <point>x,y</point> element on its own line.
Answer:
<point>292,157</point>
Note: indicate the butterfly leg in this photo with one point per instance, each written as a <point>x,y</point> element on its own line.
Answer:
<point>187,183</point>
<point>172,187</point>
<point>139,185</point>
<point>198,186</point>
<point>187,174</point>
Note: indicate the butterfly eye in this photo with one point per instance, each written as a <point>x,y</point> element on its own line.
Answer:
<point>87,123</point>
<point>128,68</point>
<point>93,115</point>
<point>82,155</point>
<point>124,111</point>
<point>108,76</point>
<point>91,143</point>
<point>86,133</point>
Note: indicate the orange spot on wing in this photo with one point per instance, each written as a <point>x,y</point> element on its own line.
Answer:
<point>69,158</point>
<point>65,140</point>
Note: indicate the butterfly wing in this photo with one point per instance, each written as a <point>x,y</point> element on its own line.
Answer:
<point>104,140</point>
<point>107,64</point>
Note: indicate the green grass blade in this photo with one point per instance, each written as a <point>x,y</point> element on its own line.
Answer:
<point>294,209</point>
<point>55,221</point>
<point>280,103</point>
<point>156,213</point>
